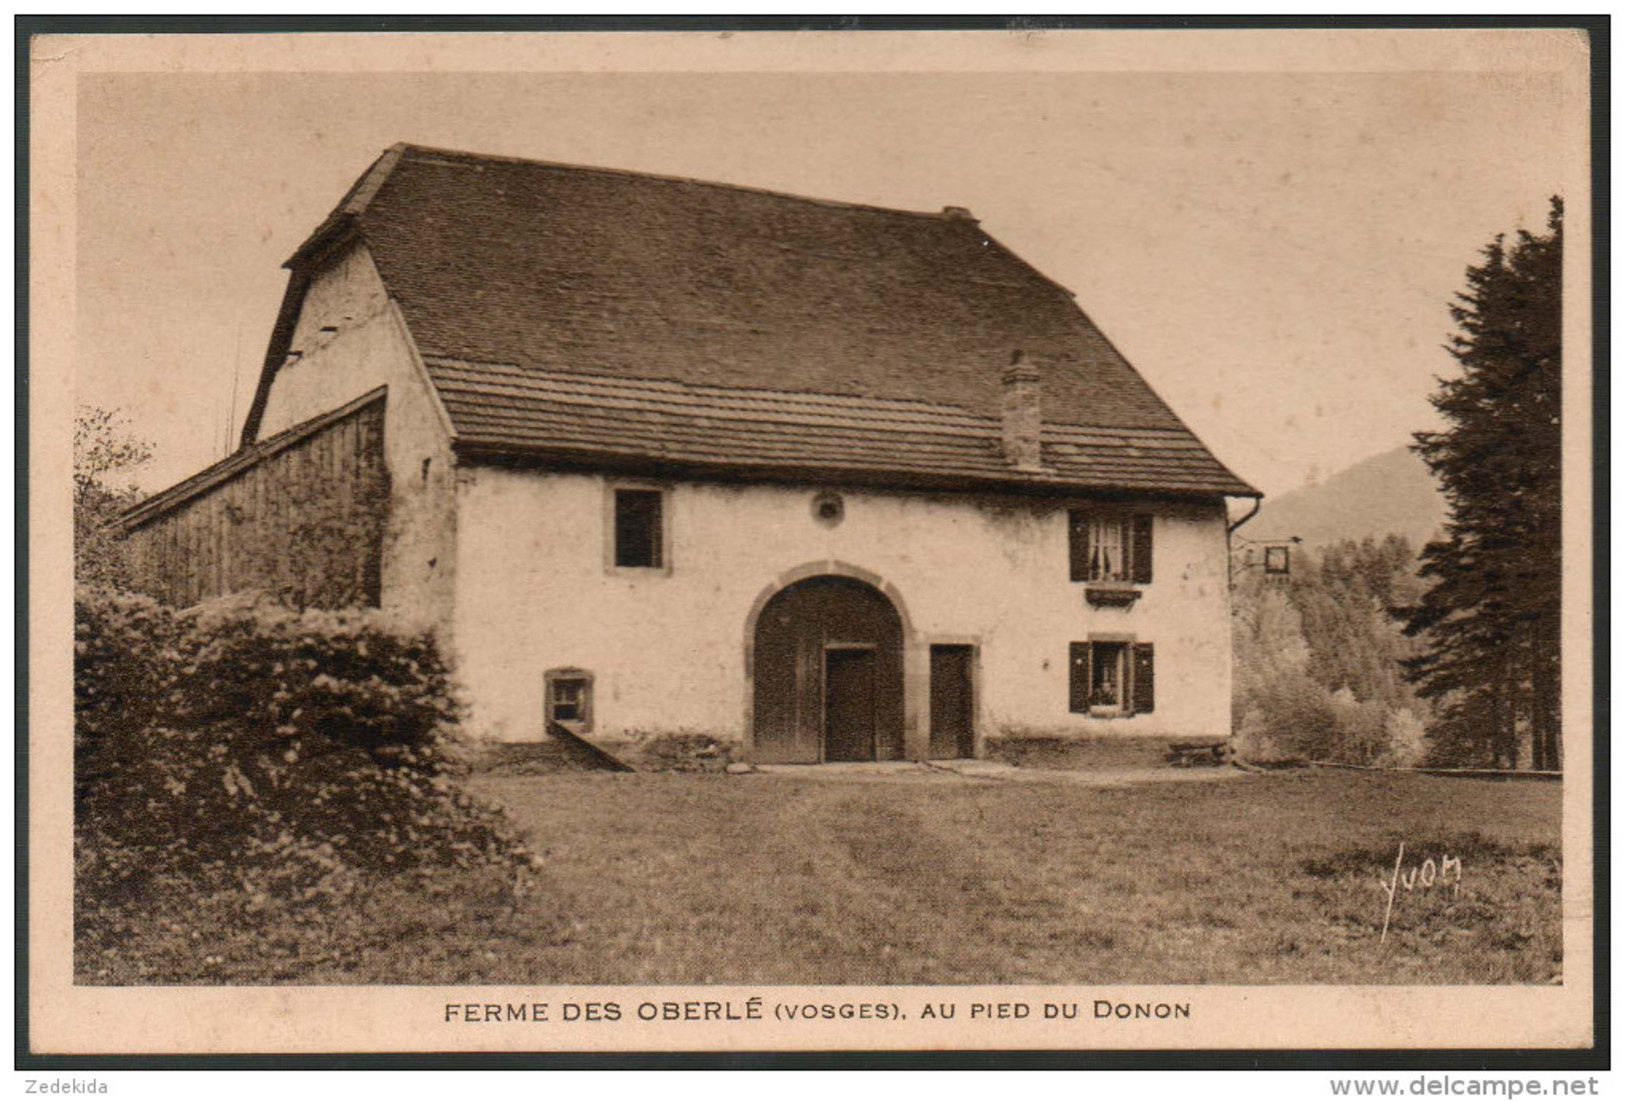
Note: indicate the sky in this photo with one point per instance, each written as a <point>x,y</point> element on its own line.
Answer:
<point>1274,251</point>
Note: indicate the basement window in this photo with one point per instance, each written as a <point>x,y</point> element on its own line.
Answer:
<point>639,529</point>
<point>569,698</point>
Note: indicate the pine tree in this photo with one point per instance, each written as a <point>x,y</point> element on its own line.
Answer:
<point>1491,614</point>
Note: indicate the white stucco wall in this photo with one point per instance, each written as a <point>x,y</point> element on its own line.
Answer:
<point>667,650</point>
<point>369,348</point>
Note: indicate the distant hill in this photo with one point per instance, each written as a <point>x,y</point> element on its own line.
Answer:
<point>1391,492</point>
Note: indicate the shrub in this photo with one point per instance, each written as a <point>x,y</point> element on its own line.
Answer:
<point>1288,718</point>
<point>1407,741</point>
<point>1292,718</point>
<point>123,660</point>
<point>282,754</point>
<point>1361,733</point>
<point>348,677</point>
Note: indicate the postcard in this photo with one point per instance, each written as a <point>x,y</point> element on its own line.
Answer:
<point>1039,539</point>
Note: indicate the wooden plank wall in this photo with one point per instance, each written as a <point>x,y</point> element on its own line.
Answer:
<point>306,523</point>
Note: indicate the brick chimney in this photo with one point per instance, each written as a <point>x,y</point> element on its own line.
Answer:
<point>1023,414</point>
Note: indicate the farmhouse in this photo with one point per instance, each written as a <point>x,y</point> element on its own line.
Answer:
<point>653,455</point>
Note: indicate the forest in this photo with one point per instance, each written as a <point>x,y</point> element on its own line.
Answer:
<point>1372,653</point>
<point>1320,659</point>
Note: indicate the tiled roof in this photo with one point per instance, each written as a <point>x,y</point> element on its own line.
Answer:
<point>502,408</point>
<point>556,271</point>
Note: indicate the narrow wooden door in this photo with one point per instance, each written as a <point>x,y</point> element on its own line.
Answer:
<point>849,705</point>
<point>953,702</point>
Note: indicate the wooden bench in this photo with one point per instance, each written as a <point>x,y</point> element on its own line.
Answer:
<point>1186,754</point>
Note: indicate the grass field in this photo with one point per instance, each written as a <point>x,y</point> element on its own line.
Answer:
<point>1275,878</point>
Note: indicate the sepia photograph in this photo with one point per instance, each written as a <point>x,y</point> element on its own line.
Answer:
<point>1032,538</point>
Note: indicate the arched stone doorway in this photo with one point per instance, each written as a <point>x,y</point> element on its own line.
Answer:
<point>828,674</point>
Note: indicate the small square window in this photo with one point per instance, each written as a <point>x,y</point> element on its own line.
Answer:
<point>569,698</point>
<point>639,535</point>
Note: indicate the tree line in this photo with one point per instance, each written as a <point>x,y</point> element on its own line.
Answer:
<point>1370,654</point>
<point>1320,659</point>
<point>1491,616</point>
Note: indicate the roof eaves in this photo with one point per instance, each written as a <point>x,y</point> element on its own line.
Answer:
<point>1179,420</point>
<point>1036,483</point>
<point>825,411</point>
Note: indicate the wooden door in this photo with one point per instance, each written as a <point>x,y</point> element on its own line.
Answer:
<point>849,704</point>
<point>794,632</point>
<point>953,702</point>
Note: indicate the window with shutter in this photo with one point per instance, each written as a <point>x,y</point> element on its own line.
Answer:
<point>1144,679</point>
<point>1111,679</point>
<point>1107,545</point>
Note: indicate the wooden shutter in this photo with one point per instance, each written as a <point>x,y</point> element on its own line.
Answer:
<point>1080,678</point>
<point>1143,683</point>
<point>1140,553</point>
<point>1078,543</point>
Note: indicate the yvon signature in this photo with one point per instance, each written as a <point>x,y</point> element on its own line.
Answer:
<point>1444,872</point>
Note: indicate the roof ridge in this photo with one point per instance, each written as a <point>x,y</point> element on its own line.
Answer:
<point>947,214</point>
